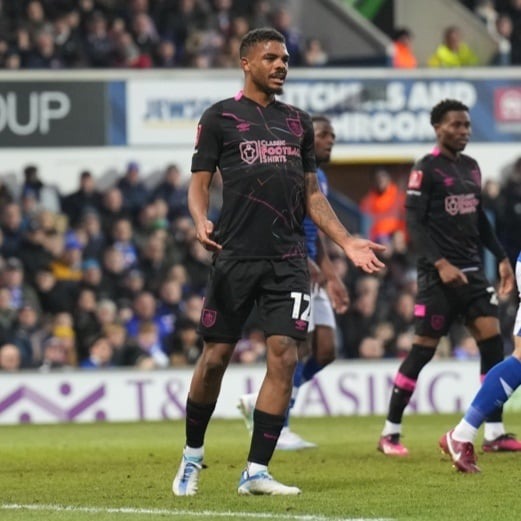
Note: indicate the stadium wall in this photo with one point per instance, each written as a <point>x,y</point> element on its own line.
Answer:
<point>69,121</point>
<point>354,388</point>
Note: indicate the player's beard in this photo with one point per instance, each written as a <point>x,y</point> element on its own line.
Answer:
<point>270,91</point>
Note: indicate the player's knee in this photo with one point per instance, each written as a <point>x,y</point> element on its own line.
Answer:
<point>418,357</point>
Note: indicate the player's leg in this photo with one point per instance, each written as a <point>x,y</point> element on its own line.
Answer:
<point>499,383</point>
<point>321,346</point>
<point>487,333</point>
<point>227,305</point>
<point>200,404</point>
<point>419,356</point>
<point>433,315</point>
<point>283,307</point>
<point>483,323</point>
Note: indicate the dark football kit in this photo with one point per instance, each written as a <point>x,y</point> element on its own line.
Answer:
<point>262,154</point>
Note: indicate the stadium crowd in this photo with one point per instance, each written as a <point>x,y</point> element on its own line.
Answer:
<point>109,278</point>
<point>115,277</point>
<point>45,34</point>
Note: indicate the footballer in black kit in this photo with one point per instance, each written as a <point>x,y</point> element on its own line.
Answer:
<point>264,150</point>
<point>448,227</point>
<point>262,154</point>
<point>446,220</point>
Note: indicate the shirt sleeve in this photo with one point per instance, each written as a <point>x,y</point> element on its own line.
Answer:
<point>208,142</point>
<point>488,236</point>
<point>308,145</point>
<point>417,205</point>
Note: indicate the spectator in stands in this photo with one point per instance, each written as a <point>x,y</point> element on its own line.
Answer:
<point>133,190</point>
<point>26,335</point>
<point>113,268</point>
<point>55,295</point>
<point>149,342</point>
<point>453,51</point>
<point>10,358</point>
<point>127,53</point>
<point>165,55</point>
<point>56,355</point>
<point>68,43</point>
<point>122,240</point>
<point>384,206</point>
<point>11,226</point>
<point>44,54</point>
<point>112,209</point>
<point>85,320</point>
<point>67,266</point>
<point>403,54</point>
<point>144,33</point>
<point>34,251</point>
<point>185,345</point>
<point>46,195</point>
<point>20,291</point>
<point>100,355</point>
<point>94,237</point>
<point>282,22</point>
<point>99,48</point>
<point>361,318</point>
<point>314,53</point>
<point>503,34</point>
<point>173,191</point>
<point>85,197</point>
<point>154,263</point>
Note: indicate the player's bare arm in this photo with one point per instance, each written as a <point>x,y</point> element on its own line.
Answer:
<point>198,201</point>
<point>506,278</point>
<point>360,251</point>
<point>335,288</point>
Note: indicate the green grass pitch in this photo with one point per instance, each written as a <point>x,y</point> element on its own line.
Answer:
<point>124,472</point>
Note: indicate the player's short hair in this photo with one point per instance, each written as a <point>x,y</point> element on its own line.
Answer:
<point>447,105</point>
<point>320,118</point>
<point>255,36</point>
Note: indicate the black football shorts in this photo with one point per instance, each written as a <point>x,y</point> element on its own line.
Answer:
<point>438,305</point>
<point>280,288</point>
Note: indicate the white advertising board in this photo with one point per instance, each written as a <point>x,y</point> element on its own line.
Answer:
<point>344,388</point>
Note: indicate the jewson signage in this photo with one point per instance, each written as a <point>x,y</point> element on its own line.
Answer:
<point>364,110</point>
<point>344,388</point>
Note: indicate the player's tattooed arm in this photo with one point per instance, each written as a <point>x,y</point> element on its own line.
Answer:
<point>360,251</point>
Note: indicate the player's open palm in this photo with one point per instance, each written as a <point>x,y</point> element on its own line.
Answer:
<point>362,253</point>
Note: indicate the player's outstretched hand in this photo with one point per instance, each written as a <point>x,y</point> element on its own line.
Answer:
<point>506,278</point>
<point>362,253</point>
<point>204,233</point>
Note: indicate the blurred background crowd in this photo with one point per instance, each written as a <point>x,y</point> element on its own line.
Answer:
<point>115,277</point>
<point>55,34</point>
<point>112,275</point>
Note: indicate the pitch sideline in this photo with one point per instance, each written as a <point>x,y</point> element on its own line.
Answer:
<point>162,512</point>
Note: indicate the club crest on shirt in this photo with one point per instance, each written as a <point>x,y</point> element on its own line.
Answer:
<point>415,179</point>
<point>295,126</point>
<point>437,322</point>
<point>208,317</point>
<point>249,151</point>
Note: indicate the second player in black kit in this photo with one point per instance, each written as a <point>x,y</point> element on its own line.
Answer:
<point>264,150</point>
<point>448,227</point>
